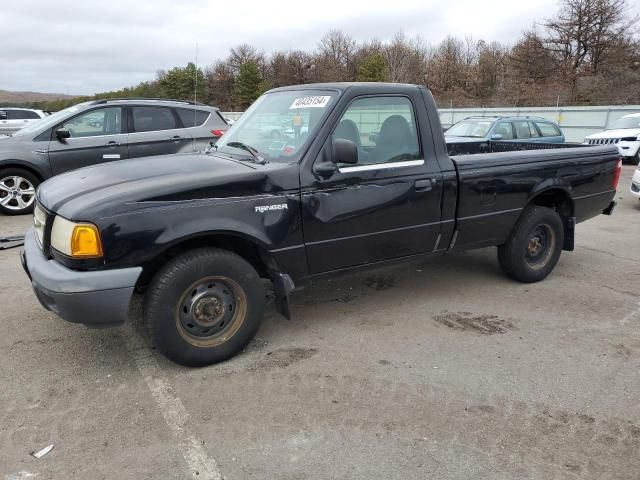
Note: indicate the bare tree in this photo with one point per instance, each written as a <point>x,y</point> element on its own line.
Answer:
<point>335,59</point>
<point>583,31</point>
<point>446,68</point>
<point>219,85</point>
<point>242,54</point>
<point>406,59</point>
<point>288,68</point>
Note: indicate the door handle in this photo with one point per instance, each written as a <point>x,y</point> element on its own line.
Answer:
<point>175,138</point>
<point>424,185</point>
<point>112,143</point>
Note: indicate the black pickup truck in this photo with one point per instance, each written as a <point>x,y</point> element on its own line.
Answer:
<point>312,180</point>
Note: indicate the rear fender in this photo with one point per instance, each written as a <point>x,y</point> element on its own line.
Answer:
<point>554,193</point>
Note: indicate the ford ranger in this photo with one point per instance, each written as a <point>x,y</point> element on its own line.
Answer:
<point>357,175</point>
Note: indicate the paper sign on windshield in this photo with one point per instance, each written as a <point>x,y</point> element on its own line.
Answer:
<point>310,102</point>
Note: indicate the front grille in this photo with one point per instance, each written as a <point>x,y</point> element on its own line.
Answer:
<point>635,187</point>
<point>603,141</point>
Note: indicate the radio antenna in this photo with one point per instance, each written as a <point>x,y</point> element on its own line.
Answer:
<point>195,97</point>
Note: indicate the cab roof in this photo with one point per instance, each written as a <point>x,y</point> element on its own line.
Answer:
<point>343,86</point>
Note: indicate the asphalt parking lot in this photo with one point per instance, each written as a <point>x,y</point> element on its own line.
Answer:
<point>439,370</point>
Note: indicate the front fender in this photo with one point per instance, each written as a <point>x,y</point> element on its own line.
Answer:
<point>270,221</point>
<point>40,166</point>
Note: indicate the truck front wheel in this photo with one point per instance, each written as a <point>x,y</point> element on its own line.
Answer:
<point>534,246</point>
<point>204,306</point>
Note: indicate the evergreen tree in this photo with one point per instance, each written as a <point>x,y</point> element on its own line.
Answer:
<point>180,83</point>
<point>373,68</point>
<point>248,85</point>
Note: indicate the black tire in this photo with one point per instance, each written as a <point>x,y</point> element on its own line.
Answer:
<point>14,185</point>
<point>534,246</point>
<point>192,296</point>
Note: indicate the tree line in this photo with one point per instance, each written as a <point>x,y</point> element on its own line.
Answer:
<point>588,53</point>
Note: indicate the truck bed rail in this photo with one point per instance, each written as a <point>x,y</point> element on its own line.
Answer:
<point>484,146</point>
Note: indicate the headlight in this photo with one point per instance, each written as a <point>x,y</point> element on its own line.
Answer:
<point>78,240</point>
<point>629,139</point>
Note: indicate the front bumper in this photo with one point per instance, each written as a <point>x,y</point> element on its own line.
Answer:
<point>628,150</point>
<point>94,298</point>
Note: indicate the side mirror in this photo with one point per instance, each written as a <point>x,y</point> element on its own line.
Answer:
<point>496,136</point>
<point>63,133</point>
<point>344,151</point>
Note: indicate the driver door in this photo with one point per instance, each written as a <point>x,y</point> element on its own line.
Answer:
<point>387,205</point>
<point>97,136</point>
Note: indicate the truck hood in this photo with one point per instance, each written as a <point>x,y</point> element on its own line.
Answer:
<point>119,187</point>
<point>621,133</point>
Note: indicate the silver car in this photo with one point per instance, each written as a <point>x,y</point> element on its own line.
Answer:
<point>96,132</point>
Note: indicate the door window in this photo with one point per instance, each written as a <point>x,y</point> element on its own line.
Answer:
<point>548,129</point>
<point>524,129</point>
<point>21,115</point>
<point>533,130</point>
<point>383,128</point>
<point>153,119</point>
<point>192,118</point>
<point>103,121</point>
<point>504,129</point>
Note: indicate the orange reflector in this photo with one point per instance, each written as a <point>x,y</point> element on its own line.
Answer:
<point>85,241</point>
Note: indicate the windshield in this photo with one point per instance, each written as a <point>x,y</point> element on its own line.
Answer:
<point>277,126</point>
<point>47,122</point>
<point>629,122</point>
<point>470,128</point>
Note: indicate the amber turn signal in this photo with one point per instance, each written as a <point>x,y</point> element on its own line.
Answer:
<point>85,241</point>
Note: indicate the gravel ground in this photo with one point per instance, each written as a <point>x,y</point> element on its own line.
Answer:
<point>439,370</point>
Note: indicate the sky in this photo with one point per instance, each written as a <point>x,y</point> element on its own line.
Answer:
<point>89,46</point>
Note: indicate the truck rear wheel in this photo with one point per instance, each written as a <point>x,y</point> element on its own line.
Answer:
<point>204,306</point>
<point>534,246</point>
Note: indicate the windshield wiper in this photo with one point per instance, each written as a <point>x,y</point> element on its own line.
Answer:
<point>247,148</point>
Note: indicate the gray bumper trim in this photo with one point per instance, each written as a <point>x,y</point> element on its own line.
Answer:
<point>95,298</point>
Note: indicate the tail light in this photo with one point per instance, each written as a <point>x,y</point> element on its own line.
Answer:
<point>218,133</point>
<point>616,174</point>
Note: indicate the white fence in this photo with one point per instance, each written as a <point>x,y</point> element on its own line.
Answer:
<point>576,122</point>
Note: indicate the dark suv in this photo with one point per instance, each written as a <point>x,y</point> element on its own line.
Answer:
<point>522,129</point>
<point>96,132</point>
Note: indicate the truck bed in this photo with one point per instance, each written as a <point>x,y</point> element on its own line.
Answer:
<point>493,188</point>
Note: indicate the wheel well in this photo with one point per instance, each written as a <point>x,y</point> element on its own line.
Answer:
<point>556,199</point>
<point>560,201</point>
<point>250,251</point>
<point>22,167</point>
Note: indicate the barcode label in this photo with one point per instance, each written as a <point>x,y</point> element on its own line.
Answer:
<point>310,102</point>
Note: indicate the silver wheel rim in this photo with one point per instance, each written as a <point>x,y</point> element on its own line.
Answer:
<point>16,193</point>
